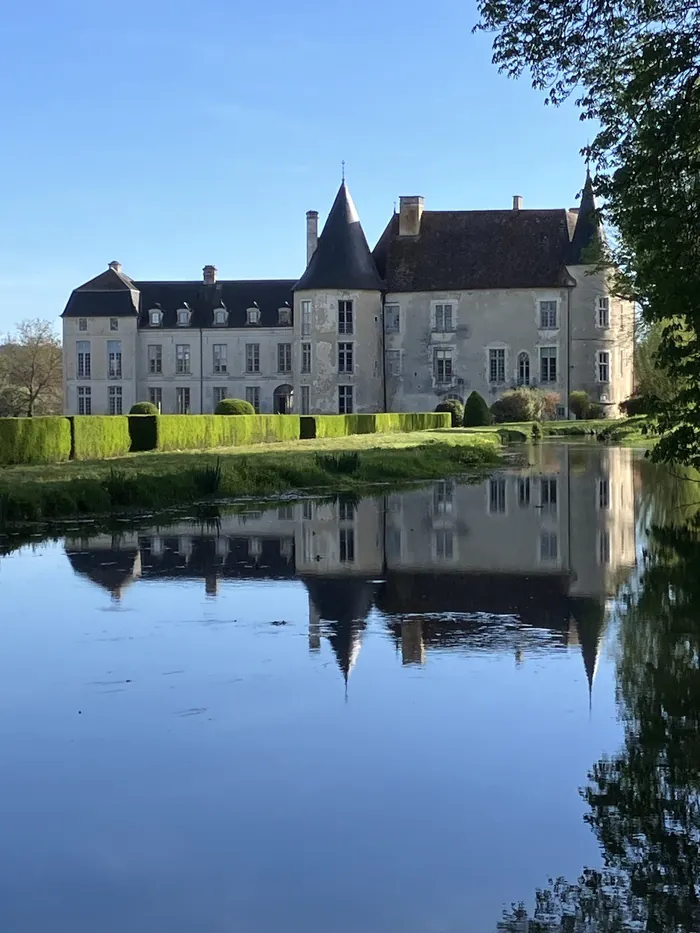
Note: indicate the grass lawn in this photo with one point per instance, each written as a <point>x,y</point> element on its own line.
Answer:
<point>164,480</point>
<point>626,432</point>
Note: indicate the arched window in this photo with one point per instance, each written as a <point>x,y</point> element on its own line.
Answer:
<point>523,369</point>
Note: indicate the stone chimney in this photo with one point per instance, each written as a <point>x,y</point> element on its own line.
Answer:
<point>209,273</point>
<point>410,213</point>
<point>517,202</point>
<point>311,234</point>
<point>115,266</point>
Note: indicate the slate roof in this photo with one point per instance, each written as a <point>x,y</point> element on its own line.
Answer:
<point>588,238</point>
<point>342,258</point>
<point>464,250</point>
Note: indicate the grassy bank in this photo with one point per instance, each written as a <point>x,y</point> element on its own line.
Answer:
<point>626,432</point>
<point>157,481</point>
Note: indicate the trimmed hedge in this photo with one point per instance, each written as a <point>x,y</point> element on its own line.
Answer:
<point>234,406</point>
<point>143,430</point>
<point>316,426</point>
<point>97,437</point>
<point>143,408</point>
<point>34,440</point>
<point>201,432</point>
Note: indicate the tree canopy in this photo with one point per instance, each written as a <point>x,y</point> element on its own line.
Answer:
<point>634,69</point>
<point>31,371</point>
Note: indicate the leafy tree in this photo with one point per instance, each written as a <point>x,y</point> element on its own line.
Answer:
<point>31,371</point>
<point>635,70</point>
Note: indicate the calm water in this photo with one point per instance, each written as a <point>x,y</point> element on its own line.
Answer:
<point>397,713</point>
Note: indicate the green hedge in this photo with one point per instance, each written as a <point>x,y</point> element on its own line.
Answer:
<point>201,432</point>
<point>34,440</point>
<point>143,430</point>
<point>386,423</point>
<point>97,437</point>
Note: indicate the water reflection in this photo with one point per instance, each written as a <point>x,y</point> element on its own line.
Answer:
<point>544,548</point>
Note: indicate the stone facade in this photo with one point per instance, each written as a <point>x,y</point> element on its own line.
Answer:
<point>447,303</point>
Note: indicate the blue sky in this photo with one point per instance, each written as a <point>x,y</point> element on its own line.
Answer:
<point>169,135</point>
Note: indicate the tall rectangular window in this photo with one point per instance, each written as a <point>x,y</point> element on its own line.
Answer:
<point>548,364</point>
<point>443,318</point>
<point>549,488</point>
<point>524,491</point>
<point>442,365</point>
<point>155,397</point>
<point>84,400</point>
<point>182,358</point>
<point>305,400</point>
<point>155,359</point>
<point>444,544</point>
<point>346,510</point>
<point>393,362</point>
<point>284,357</point>
<point>497,365</point>
<point>306,357</point>
<point>220,357</point>
<point>82,323</point>
<point>115,400</point>
<point>549,545</point>
<point>497,495</point>
<point>114,323</point>
<point>604,547</point>
<point>443,496</point>
<point>392,319</point>
<point>346,324</point>
<point>252,357</point>
<point>548,315</point>
<point>603,311</point>
<point>604,493</point>
<point>346,545</point>
<point>305,318</point>
<point>345,360</point>
<point>114,359</point>
<point>183,401</point>
<point>220,393</point>
<point>252,395</point>
<point>603,366</point>
<point>345,400</point>
<point>83,359</point>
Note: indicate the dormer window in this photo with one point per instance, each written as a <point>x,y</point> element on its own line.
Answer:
<point>183,316</point>
<point>220,317</point>
<point>253,315</point>
<point>285,315</point>
<point>155,317</point>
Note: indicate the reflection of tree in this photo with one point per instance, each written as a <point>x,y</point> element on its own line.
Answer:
<point>645,801</point>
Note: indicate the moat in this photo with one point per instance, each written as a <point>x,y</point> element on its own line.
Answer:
<point>401,712</point>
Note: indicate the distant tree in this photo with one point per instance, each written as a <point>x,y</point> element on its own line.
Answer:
<point>31,370</point>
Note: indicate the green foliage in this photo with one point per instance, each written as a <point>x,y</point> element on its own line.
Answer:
<point>317,426</point>
<point>580,405</point>
<point>517,405</point>
<point>234,406</point>
<point>343,464</point>
<point>537,432</point>
<point>34,440</point>
<point>634,70</point>
<point>143,408</point>
<point>455,408</point>
<point>476,411</point>
<point>595,411</point>
<point>203,432</point>
<point>143,431</point>
<point>97,437</point>
<point>638,404</point>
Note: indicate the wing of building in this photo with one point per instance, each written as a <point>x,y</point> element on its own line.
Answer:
<point>447,303</point>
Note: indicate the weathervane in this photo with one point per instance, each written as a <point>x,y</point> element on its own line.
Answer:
<point>342,166</point>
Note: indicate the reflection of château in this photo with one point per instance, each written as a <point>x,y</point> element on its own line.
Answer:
<point>544,547</point>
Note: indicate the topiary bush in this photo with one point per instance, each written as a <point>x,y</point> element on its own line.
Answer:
<point>596,411</point>
<point>580,405</point>
<point>516,405</point>
<point>96,437</point>
<point>143,408</point>
<point>455,408</point>
<point>234,406</point>
<point>476,411</point>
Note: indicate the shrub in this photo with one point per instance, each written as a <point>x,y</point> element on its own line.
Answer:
<point>595,411</point>
<point>549,402</point>
<point>97,437</point>
<point>537,431</point>
<point>638,404</point>
<point>455,408</point>
<point>517,405</point>
<point>476,411</point>
<point>143,431</point>
<point>580,405</point>
<point>203,432</point>
<point>143,408</point>
<point>234,406</point>
<point>34,440</point>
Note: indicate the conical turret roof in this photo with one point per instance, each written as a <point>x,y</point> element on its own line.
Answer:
<point>342,258</point>
<point>588,240</point>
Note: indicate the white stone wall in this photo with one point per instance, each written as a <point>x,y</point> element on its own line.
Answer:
<point>98,334</point>
<point>324,378</point>
<point>507,319</point>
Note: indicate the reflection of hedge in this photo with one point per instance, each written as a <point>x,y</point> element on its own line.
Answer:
<point>96,437</point>
<point>200,432</point>
<point>342,425</point>
<point>34,440</point>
